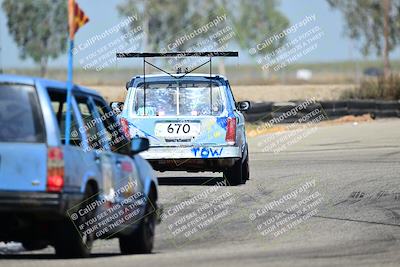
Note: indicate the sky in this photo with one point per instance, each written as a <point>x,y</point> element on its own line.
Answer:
<point>333,46</point>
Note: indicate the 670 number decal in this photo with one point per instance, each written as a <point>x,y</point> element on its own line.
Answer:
<point>177,128</point>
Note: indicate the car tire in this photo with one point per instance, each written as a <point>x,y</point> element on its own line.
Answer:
<point>69,243</point>
<point>34,245</point>
<point>141,240</point>
<point>245,170</point>
<point>234,174</point>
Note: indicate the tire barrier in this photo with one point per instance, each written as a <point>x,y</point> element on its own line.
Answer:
<point>360,107</point>
<point>386,109</point>
<point>267,111</point>
<point>258,117</point>
<point>280,109</point>
<point>335,109</point>
<point>257,107</point>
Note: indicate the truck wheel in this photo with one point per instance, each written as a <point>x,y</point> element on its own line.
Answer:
<point>69,243</point>
<point>234,173</point>
<point>141,240</point>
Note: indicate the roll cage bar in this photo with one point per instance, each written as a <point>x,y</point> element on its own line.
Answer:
<point>210,55</point>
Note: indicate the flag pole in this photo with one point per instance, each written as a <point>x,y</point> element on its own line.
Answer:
<point>76,19</point>
<point>69,92</point>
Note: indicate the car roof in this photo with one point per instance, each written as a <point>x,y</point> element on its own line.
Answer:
<point>189,75</point>
<point>31,80</point>
<point>166,77</point>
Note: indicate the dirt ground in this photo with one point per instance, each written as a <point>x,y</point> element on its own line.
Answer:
<point>256,129</point>
<point>261,93</point>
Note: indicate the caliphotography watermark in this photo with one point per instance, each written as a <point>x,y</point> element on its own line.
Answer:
<point>304,118</point>
<point>302,39</point>
<point>288,211</point>
<point>100,132</point>
<point>98,51</point>
<point>215,35</point>
<point>194,217</point>
<point>112,210</point>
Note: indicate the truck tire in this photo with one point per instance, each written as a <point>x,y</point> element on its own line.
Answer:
<point>234,174</point>
<point>141,240</point>
<point>69,243</point>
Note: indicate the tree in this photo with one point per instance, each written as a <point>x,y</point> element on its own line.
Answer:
<point>165,20</point>
<point>258,19</point>
<point>39,28</point>
<point>207,10</point>
<point>374,23</point>
<point>160,20</point>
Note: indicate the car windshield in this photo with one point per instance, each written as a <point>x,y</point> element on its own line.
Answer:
<point>20,115</point>
<point>179,99</point>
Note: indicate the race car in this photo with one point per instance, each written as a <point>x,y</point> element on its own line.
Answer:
<point>193,124</point>
<point>192,120</point>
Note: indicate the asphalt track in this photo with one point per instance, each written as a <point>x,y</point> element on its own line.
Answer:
<point>331,199</point>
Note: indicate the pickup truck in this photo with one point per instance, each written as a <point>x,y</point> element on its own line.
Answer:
<point>68,195</point>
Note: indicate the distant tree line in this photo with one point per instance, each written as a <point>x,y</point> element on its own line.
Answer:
<point>375,24</point>
<point>39,27</point>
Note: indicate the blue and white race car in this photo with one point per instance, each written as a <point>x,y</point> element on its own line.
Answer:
<point>192,121</point>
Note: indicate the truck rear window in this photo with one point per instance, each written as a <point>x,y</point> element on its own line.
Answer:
<point>179,99</point>
<point>20,115</point>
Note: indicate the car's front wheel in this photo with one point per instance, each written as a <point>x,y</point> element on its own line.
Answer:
<point>141,241</point>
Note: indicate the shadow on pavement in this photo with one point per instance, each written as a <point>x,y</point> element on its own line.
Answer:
<point>50,256</point>
<point>190,180</point>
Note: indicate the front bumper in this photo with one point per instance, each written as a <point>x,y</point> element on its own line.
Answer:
<point>190,152</point>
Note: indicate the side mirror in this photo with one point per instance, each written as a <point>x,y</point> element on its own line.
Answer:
<point>139,144</point>
<point>117,107</point>
<point>243,105</point>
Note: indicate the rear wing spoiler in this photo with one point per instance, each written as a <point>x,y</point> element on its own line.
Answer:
<point>182,54</point>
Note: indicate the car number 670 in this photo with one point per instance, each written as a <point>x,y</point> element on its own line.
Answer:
<point>176,127</point>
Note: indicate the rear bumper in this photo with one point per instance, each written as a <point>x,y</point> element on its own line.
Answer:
<point>193,165</point>
<point>196,159</point>
<point>33,215</point>
<point>38,202</point>
<point>190,152</point>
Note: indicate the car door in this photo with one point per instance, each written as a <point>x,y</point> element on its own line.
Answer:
<point>119,146</point>
<point>78,163</point>
<point>100,150</point>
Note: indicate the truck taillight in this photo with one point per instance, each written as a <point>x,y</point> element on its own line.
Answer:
<point>230,137</point>
<point>55,169</point>
<point>125,127</point>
